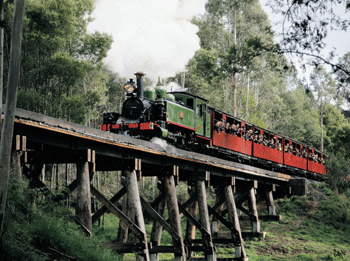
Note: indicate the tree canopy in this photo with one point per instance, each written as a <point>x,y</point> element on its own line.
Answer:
<point>63,74</point>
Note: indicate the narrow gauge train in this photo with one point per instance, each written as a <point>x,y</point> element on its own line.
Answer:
<point>187,121</point>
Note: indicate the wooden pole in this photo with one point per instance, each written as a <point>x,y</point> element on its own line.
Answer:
<point>83,207</point>
<point>204,216</point>
<point>233,218</point>
<point>123,229</point>
<point>157,229</point>
<point>11,101</point>
<point>134,203</point>
<point>16,164</point>
<point>174,214</point>
<point>190,227</point>
<point>270,201</point>
<point>253,209</point>
<point>215,224</point>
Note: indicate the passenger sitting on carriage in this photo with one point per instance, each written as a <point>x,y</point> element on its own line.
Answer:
<point>249,135</point>
<point>265,141</point>
<point>228,127</point>
<point>240,132</point>
<point>321,160</point>
<point>304,153</point>
<point>256,137</point>
<point>311,156</point>
<point>235,128</point>
<point>261,138</point>
<point>272,142</point>
<point>289,148</point>
<point>279,146</point>
<point>220,125</point>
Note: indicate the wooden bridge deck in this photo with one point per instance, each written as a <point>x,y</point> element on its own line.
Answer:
<point>64,139</point>
<point>40,139</point>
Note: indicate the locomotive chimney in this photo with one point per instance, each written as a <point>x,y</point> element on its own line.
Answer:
<point>139,82</point>
<point>159,83</point>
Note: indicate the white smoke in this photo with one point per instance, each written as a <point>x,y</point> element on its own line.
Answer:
<point>152,36</point>
<point>162,143</point>
<point>173,86</point>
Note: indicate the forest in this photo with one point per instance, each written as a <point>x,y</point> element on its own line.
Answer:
<point>239,68</point>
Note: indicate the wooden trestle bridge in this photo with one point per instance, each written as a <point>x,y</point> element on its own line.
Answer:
<point>39,140</point>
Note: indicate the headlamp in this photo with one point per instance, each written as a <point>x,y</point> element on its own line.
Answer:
<point>130,87</point>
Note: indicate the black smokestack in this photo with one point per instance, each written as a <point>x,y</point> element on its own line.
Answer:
<point>139,82</point>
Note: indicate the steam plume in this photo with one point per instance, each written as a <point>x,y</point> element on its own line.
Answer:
<point>153,36</point>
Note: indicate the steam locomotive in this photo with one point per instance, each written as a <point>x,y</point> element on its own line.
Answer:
<point>186,120</point>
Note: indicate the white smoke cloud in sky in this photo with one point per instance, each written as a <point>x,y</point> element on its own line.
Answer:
<point>152,36</point>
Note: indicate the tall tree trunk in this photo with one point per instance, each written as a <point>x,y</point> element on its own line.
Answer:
<point>57,177</point>
<point>11,101</point>
<point>1,58</point>
<point>52,183</point>
<point>321,129</point>
<point>247,103</point>
<point>234,94</point>
<point>234,75</point>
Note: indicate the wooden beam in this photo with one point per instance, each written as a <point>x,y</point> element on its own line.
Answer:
<point>253,209</point>
<point>205,233</point>
<point>57,156</point>
<point>174,214</point>
<point>123,229</point>
<point>116,211</point>
<point>134,203</point>
<point>233,218</point>
<point>86,230</point>
<point>224,222</point>
<point>104,209</point>
<point>83,207</point>
<point>154,214</point>
<point>125,247</point>
<point>190,227</point>
<point>157,229</point>
<point>204,218</point>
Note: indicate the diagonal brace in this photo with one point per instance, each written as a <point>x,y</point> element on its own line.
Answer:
<point>104,209</point>
<point>205,234</point>
<point>154,214</point>
<point>224,221</point>
<point>116,211</point>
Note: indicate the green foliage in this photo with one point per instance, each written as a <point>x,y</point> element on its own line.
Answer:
<point>294,206</point>
<point>334,211</point>
<point>340,139</point>
<point>34,226</point>
<point>338,171</point>
<point>61,62</point>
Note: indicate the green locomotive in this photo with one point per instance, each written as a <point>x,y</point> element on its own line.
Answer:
<point>179,117</point>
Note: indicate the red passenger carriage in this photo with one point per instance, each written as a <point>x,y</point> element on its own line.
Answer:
<point>256,144</point>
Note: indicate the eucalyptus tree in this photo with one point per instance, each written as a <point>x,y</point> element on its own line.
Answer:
<point>237,43</point>
<point>343,80</point>
<point>61,61</point>
<point>324,88</point>
<point>243,28</point>
<point>305,26</point>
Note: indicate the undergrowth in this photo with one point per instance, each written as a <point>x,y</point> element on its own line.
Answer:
<point>313,227</point>
<point>38,229</point>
